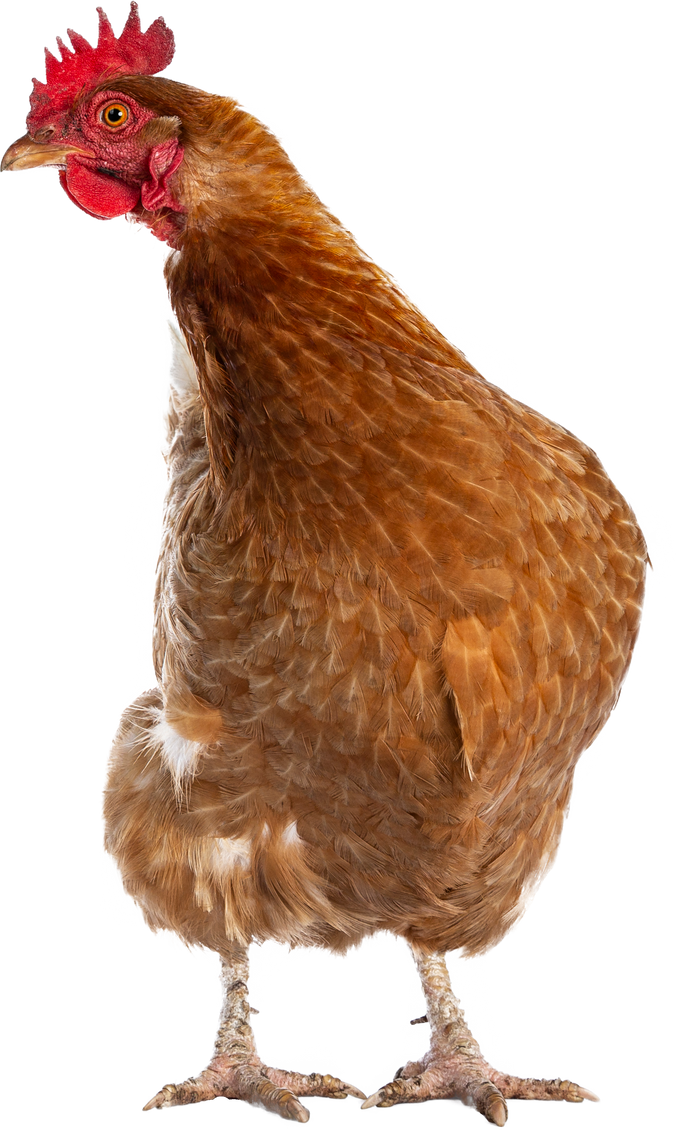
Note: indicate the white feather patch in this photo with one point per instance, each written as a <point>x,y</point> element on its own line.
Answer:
<point>177,371</point>
<point>180,755</point>
<point>230,853</point>
<point>290,835</point>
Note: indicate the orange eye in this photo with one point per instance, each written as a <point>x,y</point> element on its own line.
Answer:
<point>115,115</point>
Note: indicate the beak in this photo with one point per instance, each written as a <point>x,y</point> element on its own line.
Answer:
<point>29,154</point>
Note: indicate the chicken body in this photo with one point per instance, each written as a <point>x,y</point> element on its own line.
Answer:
<point>306,772</point>
<point>393,605</point>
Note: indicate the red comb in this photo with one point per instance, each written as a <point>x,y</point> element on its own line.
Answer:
<point>134,53</point>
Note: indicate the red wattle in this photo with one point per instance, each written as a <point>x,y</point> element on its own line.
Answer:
<point>96,193</point>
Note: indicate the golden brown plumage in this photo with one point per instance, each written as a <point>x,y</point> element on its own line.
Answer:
<point>393,607</point>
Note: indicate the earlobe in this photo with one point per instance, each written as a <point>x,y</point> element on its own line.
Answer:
<point>164,159</point>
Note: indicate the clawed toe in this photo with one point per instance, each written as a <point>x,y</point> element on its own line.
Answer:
<point>243,1082</point>
<point>465,1081</point>
<point>522,1088</point>
<point>314,1084</point>
<point>432,1085</point>
<point>271,1088</point>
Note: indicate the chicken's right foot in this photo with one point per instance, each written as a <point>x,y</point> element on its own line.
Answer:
<point>235,1070</point>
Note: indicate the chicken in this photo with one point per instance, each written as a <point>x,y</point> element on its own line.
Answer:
<point>393,605</point>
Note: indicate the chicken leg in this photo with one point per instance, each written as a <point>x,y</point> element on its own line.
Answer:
<point>237,1072</point>
<point>454,1068</point>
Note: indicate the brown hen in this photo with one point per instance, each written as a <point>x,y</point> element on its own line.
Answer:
<point>393,604</point>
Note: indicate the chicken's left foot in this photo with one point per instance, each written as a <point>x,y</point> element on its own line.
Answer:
<point>454,1068</point>
<point>471,1080</point>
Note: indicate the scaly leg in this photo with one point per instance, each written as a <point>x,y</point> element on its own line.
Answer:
<point>454,1068</point>
<point>237,1072</point>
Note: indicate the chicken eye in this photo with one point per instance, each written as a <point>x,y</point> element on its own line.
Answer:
<point>115,115</point>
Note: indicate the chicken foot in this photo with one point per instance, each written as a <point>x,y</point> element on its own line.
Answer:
<point>454,1068</point>
<point>237,1072</point>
